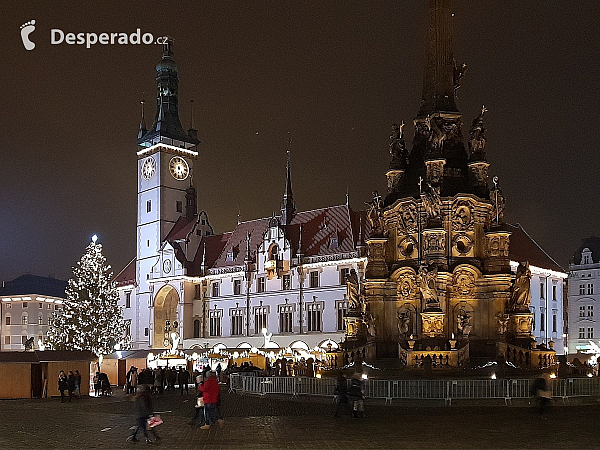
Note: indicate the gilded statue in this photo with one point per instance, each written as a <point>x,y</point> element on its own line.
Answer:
<point>374,214</point>
<point>427,279</point>
<point>521,290</point>
<point>432,202</point>
<point>370,321</point>
<point>403,322</point>
<point>463,320</point>
<point>502,323</point>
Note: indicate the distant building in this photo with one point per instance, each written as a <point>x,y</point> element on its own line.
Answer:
<point>27,302</point>
<point>584,296</point>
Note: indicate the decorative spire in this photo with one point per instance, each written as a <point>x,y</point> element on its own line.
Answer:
<point>440,76</point>
<point>299,252</point>
<point>288,206</point>
<point>191,203</point>
<point>347,195</point>
<point>166,123</point>
<point>239,220</point>
<point>143,129</point>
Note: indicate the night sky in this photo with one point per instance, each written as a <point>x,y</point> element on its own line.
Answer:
<point>335,74</point>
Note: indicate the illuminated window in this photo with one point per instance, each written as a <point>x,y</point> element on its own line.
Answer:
<point>260,284</point>
<point>314,315</point>
<point>314,279</point>
<point>286,314</point>
<point>260,318</point>
<point>214,317</point>
<point>7,305</point>
<point>582,311</point>
<point>237,321</point>
<point>590,311</point>
<point>40,320</point>
<point>24,319</point>
<point>24,304</point>
<point>341,307</point>
<point>590,288</point>
<point>343,274</point>
<point>581,289</point>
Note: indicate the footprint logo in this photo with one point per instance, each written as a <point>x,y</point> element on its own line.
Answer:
<point>26,29</point>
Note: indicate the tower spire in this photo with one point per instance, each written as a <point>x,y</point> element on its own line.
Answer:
<point>440,76</point>
<point>166,123</point>
<point>288,206</point>
<point>143,129</point>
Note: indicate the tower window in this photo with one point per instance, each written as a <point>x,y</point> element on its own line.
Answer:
<point>146,331</point>
<point>314,279</point>
<point>260,286</point>
<point>554,323</point>
<point>179,206</point>
<point>553,293</point>
<point>237,287</point>
<point>128,299</point>
<point>148,206</point>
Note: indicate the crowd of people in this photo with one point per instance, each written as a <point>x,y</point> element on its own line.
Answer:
<point>70,384</point>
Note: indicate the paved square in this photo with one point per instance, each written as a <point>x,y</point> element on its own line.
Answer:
<point>254,422</point>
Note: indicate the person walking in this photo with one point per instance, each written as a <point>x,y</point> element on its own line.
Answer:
<point>71,384</point>
<point>183,378</point>
<point>63,385</point>
<point>355,395</point>
<point>144,411</point>
<point>199,407</point>
<point>210,394</point>
<point>96,381</point>
<point>341,395</point>
<point>542,394</point>
<point>78,383</point>
<point>133,380</point>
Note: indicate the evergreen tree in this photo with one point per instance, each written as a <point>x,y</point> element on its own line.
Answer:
<point>91,318</point>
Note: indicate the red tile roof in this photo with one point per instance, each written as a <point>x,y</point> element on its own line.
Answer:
<point>524,248</point>
<point>127,276</point>
<point>181,229</point>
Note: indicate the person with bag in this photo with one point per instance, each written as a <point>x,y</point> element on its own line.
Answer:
<point>199,407</point>
<point>144,416</point>
<point>340,395</point>
<point>210,394</point>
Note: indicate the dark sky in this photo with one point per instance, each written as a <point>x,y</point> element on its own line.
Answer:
<point>336,74</point>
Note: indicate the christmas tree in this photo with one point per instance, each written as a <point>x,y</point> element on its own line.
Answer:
<point>91,318</point>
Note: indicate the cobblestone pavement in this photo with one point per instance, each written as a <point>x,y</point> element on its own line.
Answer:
<point>253,422</point>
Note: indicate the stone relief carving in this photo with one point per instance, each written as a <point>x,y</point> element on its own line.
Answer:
<point>403,322</point>
<point>432,202</point>
<point>502,323</point>
<point>435,170</point>
<point>407,247</point>
<point>462,215</point>
<point>497,245</point>
<point>398,147</point>
<point>427,279</point>
<point>432,323</point>
<point>406,285</point>
<point>434,242</point>
<point>464,283</point>
<point>463,322</point>
<point>408,217</point>
<point>520,297</point>
<point>479,171</point>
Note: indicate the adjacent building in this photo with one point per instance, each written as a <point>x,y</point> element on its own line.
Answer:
<point>584,294</point>
<point>26,305</point>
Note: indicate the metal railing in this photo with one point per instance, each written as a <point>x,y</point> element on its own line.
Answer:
<point>446,390</point>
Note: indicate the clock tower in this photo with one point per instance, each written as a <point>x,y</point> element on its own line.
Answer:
<point>166,155</point>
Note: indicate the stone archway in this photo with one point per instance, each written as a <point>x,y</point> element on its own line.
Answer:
<point>165,308</point>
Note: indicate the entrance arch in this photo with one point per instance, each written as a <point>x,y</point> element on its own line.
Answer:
<point>165,308</point>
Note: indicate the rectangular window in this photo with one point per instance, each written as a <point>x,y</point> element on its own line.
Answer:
<point>23,339</point>
<point>40,305</point>
<point>7,320</point>
<point>6,340</point>
<point>260,319</point>
<point>343,274</point>
<point>214,317</point>
<point>25,304</point>
<point>554,293</point>
<point>590,288</point>
<point>287,282</point>
<point>342,309</point>
<point>40,320</point>
<point>582,311</point>
<point>286,314</point>
<point>581,333</point>
<point>554,323</point>
<point>128,299</point>
<point>24,319</point>
<point>582,289</point>
<point>179,206</point>
<point>314,313</point>
<point>7,305</point>
<point>237,321</point>
<point>542,290</point>
<point>148,206</point>
<point>49,306</point>
<point>260,284</point>
<point>590,333</point>
<point>128,328</point>
<point>215,289</point>
<point>590,311</point>
<point>146,332</point>
<point>237,287</point>
<point>197,291</point>
<point>542,321</point>
<point>314,279</point>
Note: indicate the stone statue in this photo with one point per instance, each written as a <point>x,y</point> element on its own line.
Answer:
<point>432,202</point>
<point>403,323</point>
<point>498,202</point>
<point>427,279</point>
<point>374,214</point>
<point>521,290</point>
<point>369,321</point>
<point>477,133</point>
<point>463,320</point>
<point>398,147</point>
<point>353,291</point>
<point>457,75</point>
<point>502,323</point>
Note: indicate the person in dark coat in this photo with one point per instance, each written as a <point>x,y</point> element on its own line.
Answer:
<point>341,394</point>
<point>183,378</point>
<point>63,385</point>
<point>143,400</point>
<point>355,395</point>
<point>78,383</point>
<point>71,381</point>
<point>542,394</point>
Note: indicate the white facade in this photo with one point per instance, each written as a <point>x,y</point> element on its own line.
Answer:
<point>25,316</point>
<point>584,294</point>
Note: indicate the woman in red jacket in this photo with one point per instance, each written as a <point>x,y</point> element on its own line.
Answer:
<point>210,394</point>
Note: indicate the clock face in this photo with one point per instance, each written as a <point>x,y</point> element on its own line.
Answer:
<point>148,168</point>
<point>167,266</point>
<point>179,168</point>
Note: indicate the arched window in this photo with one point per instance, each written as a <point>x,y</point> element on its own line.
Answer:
<point>24,319</point>
<point>197,328</point>
<point>40,319</point>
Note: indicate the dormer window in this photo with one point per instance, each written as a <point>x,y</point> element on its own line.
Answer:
<point>333,242</point>
<point>273,250</point>
<point>229,257</point>
<point>586,256</point>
